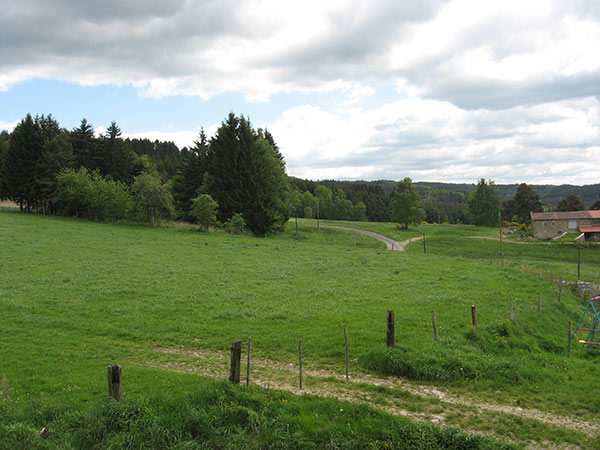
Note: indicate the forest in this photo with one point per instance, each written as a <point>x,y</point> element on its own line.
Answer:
<point>50,170</point>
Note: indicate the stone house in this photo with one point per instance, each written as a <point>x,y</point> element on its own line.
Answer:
<point>552,224</point>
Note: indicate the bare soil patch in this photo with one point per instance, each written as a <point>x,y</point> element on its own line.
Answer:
<point>392,394</point>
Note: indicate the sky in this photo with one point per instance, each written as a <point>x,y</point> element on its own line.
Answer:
<point>447,91</point>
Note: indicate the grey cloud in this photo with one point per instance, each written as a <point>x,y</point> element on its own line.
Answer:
<point>496,95</point>
<point>354,44</point>
<point>143,40</point>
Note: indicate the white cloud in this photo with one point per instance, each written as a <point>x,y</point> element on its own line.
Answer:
<point>497,89</point>
<point>183,138</point>
<point>8,126</point>
<point>432,140</point>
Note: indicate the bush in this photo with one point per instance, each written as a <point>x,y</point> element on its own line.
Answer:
<point>204,209</point>
<point>236,224</point>
<point>153,198</point>
<point>92,196</point>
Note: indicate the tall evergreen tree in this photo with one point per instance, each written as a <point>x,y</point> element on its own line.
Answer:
<point>117,161</point>
<point>247,176</point>
<point>4,139</point>
<point>21,161</point>
<point>187,182</point>
<point>56,156</point>
<point>85,148</point>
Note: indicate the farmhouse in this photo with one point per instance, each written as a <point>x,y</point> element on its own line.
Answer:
<point>552,224</point>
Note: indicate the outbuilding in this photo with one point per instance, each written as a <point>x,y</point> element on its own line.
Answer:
<point>552,224</point>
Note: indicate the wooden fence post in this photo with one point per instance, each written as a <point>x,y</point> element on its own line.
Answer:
<point>569,342</point>
<point>578,259</point>
<point>114,382</point>
<point>474,315</point>
<point>235,365</point>
<point>300,359</point>
<point>391,332</point>
<point>560,289</point>
<point>512,311</point>
<point>248,362</point>
<point>424,244</point>
<point>500,233</point>
<point>436,336</point>
<point>346,339</point>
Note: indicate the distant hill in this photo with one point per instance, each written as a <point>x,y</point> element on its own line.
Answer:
<point>443,202</point>
<point>549,194</point>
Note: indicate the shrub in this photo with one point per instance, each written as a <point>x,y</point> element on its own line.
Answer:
<point>236,224</point>
<point>204,209</point>
<point>92,196</point>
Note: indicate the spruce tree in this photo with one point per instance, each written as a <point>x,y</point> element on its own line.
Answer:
<point>21,162</point>
<point>85,148</point>
<point>187,182</point>
<point>246,175</point>
<point>118,162</point>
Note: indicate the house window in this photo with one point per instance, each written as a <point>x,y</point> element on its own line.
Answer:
<point>572,224</point>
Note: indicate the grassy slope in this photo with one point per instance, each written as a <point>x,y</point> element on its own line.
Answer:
<point>78,296</point>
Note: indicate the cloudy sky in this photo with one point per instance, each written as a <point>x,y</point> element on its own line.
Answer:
<point>434,90</point>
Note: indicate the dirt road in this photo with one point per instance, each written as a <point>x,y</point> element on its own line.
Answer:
<point>391,244</point>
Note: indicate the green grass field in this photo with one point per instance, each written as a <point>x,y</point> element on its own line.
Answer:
<point>77,296</point>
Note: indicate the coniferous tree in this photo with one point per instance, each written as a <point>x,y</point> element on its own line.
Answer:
<point>56,156</point>
<point>117,161</point>
<point>189,179</point>
<point>20,164</point>
<point>247,176</point>
<point>4,139</point>
<point>85,148</point>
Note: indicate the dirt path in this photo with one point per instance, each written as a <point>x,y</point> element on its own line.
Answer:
<point>391,394</point>
<point>389,242</point>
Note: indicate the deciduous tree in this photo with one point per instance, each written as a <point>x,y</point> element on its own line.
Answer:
<point>525,201</point>
<point>484,204</point>
<point>406,204</point>
<point>204,210</point>
<point>153,198</point>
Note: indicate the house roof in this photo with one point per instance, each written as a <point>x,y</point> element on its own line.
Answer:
<point>590,229</point>
<point>570,215</point>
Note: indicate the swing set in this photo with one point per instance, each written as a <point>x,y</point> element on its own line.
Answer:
<point>593,337</point>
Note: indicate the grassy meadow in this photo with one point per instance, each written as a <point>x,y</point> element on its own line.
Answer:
<point>78,296</point>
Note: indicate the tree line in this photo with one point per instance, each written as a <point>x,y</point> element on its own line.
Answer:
<point>47,169</point>
<point>50,170</point>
